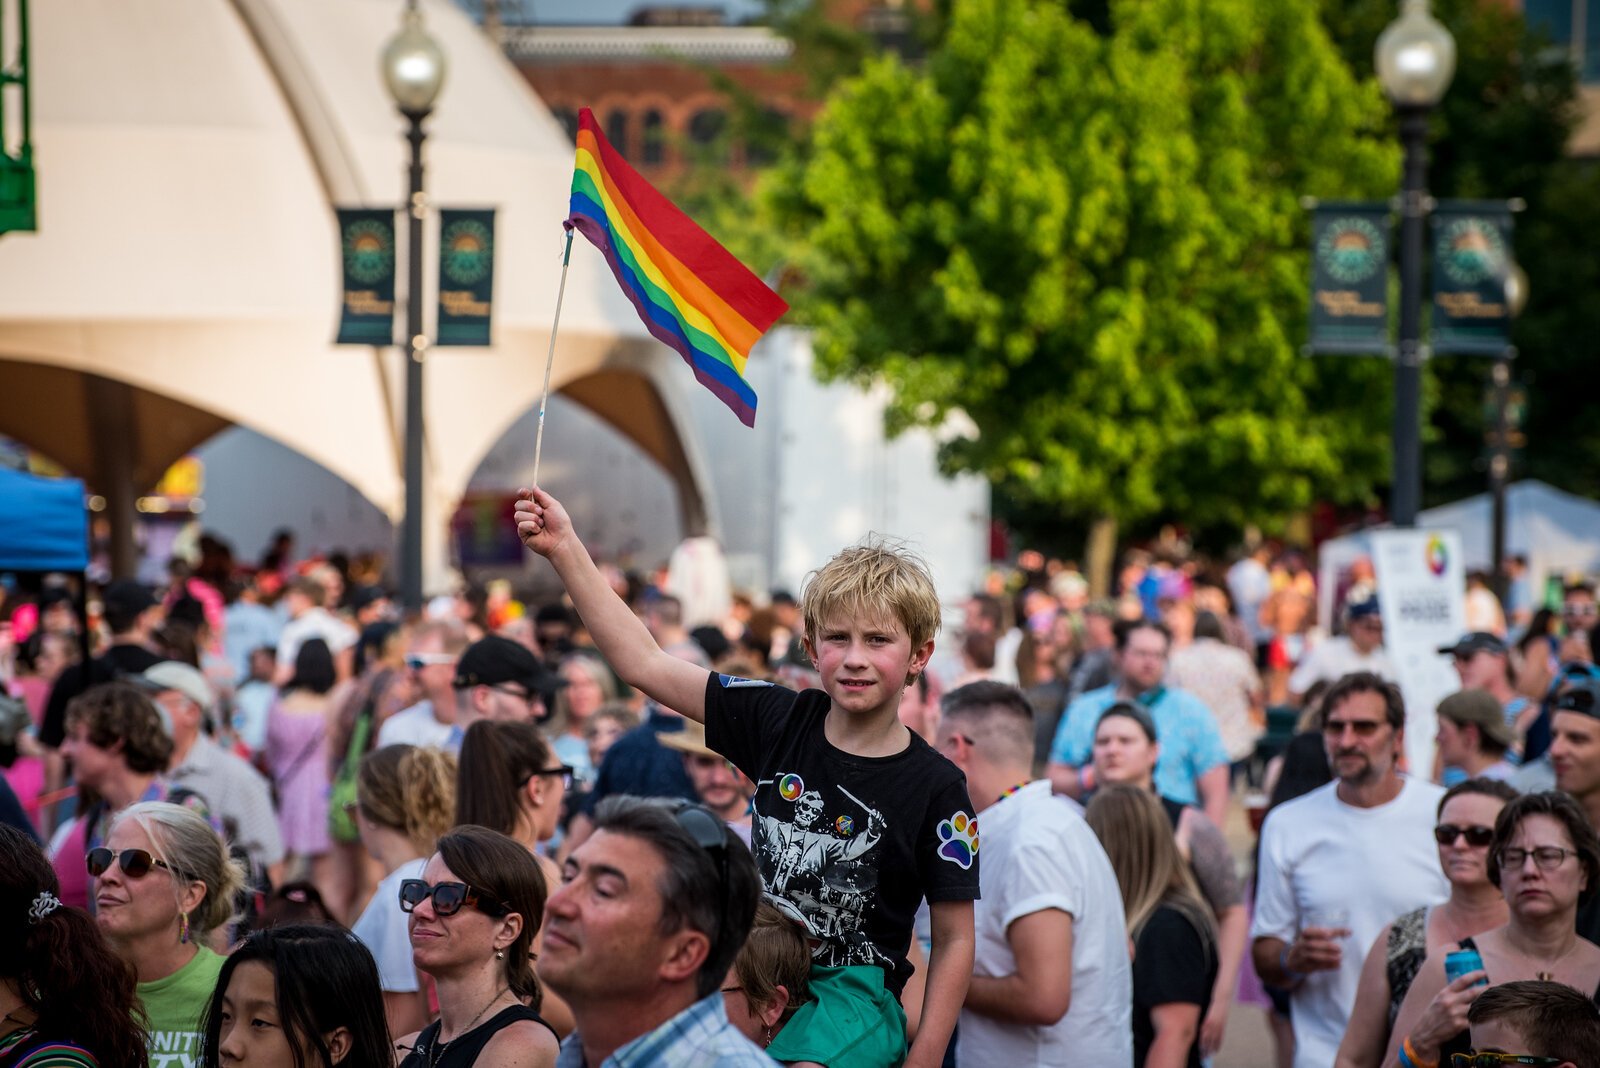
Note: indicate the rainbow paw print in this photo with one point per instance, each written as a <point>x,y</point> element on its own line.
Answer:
<point>958,839</point>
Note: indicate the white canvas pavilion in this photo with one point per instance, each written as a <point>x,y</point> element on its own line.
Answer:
<point>185,273</point>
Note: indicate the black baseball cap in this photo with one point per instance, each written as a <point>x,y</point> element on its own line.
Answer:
<point>1582,697</point>
<point>128,598</point>
<point>1479,641</point>
<point>494,660</point>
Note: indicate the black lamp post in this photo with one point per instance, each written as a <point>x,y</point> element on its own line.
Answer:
<point>413,69</point>
<point>1500,440</point>
<point>1416,58</point>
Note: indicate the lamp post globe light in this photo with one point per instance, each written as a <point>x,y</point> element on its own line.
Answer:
<point>1416,58</point>
<point>413,68</point>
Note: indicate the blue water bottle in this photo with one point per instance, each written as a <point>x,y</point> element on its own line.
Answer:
<point>1460,962</point>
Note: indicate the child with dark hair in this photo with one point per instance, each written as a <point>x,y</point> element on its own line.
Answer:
<point>316,990</point>
<point>66,998</point>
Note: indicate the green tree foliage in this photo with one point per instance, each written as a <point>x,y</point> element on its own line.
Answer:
<point>1091,244</point>
<point>1501,132</point>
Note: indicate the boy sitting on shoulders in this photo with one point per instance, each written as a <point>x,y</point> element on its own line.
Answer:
<point>856,818</point>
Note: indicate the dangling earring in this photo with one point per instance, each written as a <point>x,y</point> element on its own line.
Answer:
<point>768,1042</point>
<point>183,928</point>
<point>499,954</point>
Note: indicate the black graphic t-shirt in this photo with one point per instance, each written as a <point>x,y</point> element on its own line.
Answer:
<point>855,843</point>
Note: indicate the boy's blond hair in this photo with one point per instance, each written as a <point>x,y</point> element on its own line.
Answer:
<point>876,579</point>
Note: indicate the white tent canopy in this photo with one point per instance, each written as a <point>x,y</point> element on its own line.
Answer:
<point>1558,532</point>
<point>189,158</point>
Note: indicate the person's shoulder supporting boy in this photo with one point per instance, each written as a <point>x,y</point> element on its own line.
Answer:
<point>855,843</point>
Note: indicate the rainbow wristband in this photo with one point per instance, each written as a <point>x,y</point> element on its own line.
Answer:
<point>1410,1058</point>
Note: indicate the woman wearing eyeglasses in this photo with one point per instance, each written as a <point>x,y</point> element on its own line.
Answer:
<point>405,801</point>
<point>163,882</point>
<point>1544,858</point>
<point>509,780</point>
<point>65,998</point>
<point>1465,828</point>
<point>473,914</point>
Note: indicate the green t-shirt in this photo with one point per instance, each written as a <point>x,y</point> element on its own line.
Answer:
<point>175,1009</point>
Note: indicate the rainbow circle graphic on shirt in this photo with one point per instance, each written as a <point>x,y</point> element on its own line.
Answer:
<point>1436,556</point>
<point>845,826</point>
<point>791,786</point>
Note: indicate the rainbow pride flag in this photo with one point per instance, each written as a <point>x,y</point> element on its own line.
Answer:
<point>690,291</point>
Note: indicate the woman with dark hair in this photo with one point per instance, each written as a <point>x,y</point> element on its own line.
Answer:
<point>315,990</point>
<point>1546,861</point>
<point>509,780</point>
<point>405,799</point>
<point>770,979</point>
<point>298,727</point>
<point>67,999</point>
<point>473,915</point>
<point>1467,815</point>
<point>1174,937</point>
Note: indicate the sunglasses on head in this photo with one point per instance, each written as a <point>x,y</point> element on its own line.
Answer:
<point>710,834</point>
<point>1496,1059</point>
<point>1477,835</point>
<point>135,863</point>
<point>448,898</point>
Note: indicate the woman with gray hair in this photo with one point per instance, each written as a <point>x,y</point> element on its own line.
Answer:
<point>163,882</point>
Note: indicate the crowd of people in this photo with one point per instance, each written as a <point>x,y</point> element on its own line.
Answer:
<point>270,820</point>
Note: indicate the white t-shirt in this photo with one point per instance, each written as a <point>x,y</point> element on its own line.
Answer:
<point>1334,659</point>
<point>1317,854</point>
<point>414,726</point>
<point>382,929</point>
<point>314,623</point>
<point>1038,854</point>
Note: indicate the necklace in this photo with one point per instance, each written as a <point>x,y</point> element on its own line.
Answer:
<point>439,1044</point>
<point>1547,976</point>
<point>1011,790</point>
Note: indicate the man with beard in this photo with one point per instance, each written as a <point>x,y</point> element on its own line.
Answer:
<point>721,787</point>
<point>1340,862</point>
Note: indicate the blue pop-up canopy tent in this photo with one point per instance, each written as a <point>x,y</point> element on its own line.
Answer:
<point>43,523</point>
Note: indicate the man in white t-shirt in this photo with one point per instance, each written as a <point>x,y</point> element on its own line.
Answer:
<point>1340,862</point>
<point>1359,648</point>
<point>431,658</point>
<point>309,619</point>
<point>1051,981</point>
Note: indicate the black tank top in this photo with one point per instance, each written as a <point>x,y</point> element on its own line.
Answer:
<point>1462,1042</point>
<point>462,1051</point>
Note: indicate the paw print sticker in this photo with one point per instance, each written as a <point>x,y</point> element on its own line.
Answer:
<point>958,840</point>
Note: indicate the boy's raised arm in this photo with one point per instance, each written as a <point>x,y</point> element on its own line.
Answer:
<point>625,642</point>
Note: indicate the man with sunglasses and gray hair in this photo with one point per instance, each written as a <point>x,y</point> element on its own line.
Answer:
<point>640,937</point>
<point>1340,862</point>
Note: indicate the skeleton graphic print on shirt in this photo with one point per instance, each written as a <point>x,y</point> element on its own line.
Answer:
<point>853,843</point>
<point>824,867</point>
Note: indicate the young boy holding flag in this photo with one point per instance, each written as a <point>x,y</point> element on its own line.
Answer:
<point>856,818</point>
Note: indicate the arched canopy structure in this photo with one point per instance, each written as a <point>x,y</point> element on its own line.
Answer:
<point>189,158</point>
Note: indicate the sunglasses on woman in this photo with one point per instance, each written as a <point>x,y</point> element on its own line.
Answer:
<point>1477,835</point>
<point>135,863</point>
<point>448,898</point>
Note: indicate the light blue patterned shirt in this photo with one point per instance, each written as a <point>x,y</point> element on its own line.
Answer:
<point>1186,730</point>
<point>699,1035</point>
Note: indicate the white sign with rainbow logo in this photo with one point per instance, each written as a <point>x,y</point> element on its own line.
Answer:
<point>1422,596</point>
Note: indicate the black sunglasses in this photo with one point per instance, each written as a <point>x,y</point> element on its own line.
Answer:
<point>710,834</point>
<point>448,898</point>
<point>564,772</point>
<point>1477,835</point>
<point>135,863</point>
<point>1364,728</point>
<point>1496,1060</point>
